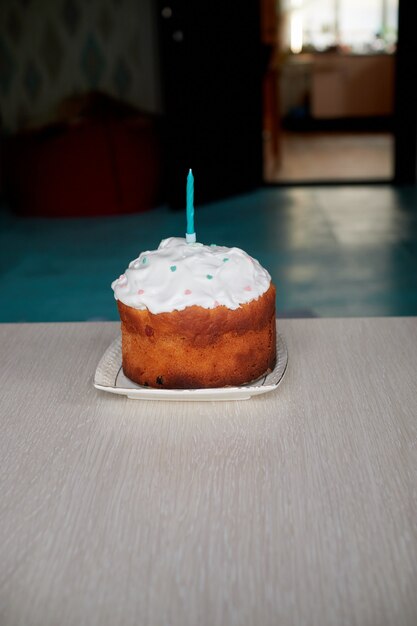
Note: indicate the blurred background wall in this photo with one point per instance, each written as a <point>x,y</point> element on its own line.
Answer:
<point>50,50</point>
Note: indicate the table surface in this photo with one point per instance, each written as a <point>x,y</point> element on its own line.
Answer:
<point>293,508</point>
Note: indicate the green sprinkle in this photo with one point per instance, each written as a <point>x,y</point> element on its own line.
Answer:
<point>212,245</point>
<point>173,268</point>
<point>209,276</point>
<point>144,260</point>
<point>225,259</point>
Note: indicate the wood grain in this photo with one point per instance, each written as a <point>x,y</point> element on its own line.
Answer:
<point>298,507</point>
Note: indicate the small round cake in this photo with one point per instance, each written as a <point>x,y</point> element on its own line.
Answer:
<point>196,316</point>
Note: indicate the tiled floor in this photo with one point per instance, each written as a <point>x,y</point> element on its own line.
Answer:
<point>332,156</point>
<point>335,251</point>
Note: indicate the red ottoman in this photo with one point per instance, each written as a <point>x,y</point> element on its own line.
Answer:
<point>87,167</point>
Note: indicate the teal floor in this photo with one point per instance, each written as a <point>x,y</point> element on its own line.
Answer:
<point>332,251</point>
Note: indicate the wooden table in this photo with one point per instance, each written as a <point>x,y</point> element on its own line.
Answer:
<point>293,508</point>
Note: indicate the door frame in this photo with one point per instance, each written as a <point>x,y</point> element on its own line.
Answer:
<point>405,116</point>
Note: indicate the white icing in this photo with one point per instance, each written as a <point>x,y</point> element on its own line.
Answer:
<point>180,274</point>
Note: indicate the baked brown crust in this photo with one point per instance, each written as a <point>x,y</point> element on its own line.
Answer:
<point>198,347</point>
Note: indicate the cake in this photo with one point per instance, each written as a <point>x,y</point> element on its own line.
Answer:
<point>196,316</point>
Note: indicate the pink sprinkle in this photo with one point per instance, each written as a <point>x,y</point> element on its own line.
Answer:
<point>123,280</point>
<point>140,292</point>
<point>187,292</point>
<point>216,303</point>
<point>247,288</point>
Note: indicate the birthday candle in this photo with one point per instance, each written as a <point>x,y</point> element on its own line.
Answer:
<point>190,234</point>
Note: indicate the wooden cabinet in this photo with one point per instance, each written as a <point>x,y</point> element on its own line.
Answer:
<point>352,85</point>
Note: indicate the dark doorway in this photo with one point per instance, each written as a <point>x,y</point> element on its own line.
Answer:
<point>218,67</point>
<point>211,76</point>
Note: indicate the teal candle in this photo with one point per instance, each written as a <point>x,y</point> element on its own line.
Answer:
<point>190,207</point>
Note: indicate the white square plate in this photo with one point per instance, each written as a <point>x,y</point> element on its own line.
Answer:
<point>109,377</point>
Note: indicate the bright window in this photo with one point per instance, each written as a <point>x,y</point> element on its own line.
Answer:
<point>358,26</point>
